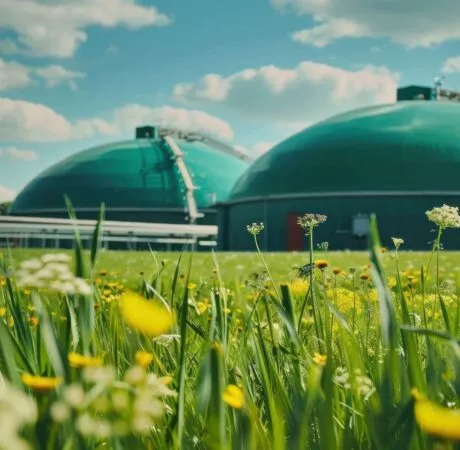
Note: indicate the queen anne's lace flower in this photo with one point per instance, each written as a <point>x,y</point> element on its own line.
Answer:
<point>444,216</point>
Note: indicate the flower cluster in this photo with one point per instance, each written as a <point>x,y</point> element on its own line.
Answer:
<point>360,383</point>
<point>308,221</point>
<point>255,228</point>
<point>51,272</point>
<point>444,216</point>
<point>16,411</point>
<point>109,407</point>
<point>397,242</point>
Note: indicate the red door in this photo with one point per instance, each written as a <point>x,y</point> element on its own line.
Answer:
<point>295,237</point>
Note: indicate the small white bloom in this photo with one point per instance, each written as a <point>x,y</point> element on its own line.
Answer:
<point>60,412</point>
<point>31,264</point>
<point>135,375</point>
<point>74,395</point>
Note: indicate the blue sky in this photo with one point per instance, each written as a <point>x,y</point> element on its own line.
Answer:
<point>77,73</point>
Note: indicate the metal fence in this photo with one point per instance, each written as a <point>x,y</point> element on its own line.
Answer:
<point>27,232</point>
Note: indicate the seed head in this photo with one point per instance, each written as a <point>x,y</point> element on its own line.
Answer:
<point>308,221</point>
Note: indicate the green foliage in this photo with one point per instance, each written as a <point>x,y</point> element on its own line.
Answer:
<point>323,362</point>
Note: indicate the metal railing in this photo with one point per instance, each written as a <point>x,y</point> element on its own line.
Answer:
<point>33,232</point>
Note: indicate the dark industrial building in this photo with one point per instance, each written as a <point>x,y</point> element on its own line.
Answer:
<point>162,176</point>
<point>396,160</point>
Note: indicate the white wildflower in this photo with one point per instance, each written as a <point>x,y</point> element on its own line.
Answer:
<point>74,395</point>
<point>142,423</point>
<point>135,375</point>
<point>103,375</point>
<point>397,242</point>
<point>444,216</point>
<point>255,228</point>
<point>60,412</point>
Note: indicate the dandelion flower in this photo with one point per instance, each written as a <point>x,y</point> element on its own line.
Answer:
<point>320,359</point>
<point>436,420</point>
<point>321,263</point>
<point>77,360</point>
<point>233,396</point>
<point>145,316</point>
<point>41,384</point>
<point>143,358</point>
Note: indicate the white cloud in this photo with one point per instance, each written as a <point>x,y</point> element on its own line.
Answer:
<point>6,194</point>
<point>13,75</point>
<point>413,23</point>
<point>303,94</point>
<point>52,28</point>
<point>16,153</point>
<point>451,65</point>
<point>33,122</point>
<point>26,121</point>
<point>89,127</point>
<point>55,75</point>
<point>131,116</point>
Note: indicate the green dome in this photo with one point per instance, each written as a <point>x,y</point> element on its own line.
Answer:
<point>131,178</point>
<point>407,146</point>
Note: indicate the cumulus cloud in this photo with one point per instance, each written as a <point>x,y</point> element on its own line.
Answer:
<point>451,65</point>
<point>55,75</point>
<point>16,153</point>
<point>131,116</point>
<point>413,23</point>
<point>6,194</point>
<point>57,28</point>
<point>33,122</point>
<point>13,75</point>
<point>26,121</point>
<point>302,94</point>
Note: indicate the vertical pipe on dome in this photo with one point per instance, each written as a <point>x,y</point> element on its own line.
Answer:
<point>189,186</point>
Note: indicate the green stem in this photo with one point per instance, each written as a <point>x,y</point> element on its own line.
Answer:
<point>266,267</point>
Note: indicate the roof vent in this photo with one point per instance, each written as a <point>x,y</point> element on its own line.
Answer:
<point>147,132</point>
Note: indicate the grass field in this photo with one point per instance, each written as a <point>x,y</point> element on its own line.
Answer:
<point>132,267</point>
<point>117,350</point>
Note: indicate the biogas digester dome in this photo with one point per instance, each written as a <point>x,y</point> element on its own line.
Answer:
<point>394,160</point>
<point>162,176</point>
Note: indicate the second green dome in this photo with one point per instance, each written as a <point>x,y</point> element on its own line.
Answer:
<point>407,146</point>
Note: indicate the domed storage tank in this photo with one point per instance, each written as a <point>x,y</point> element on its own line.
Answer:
<point>395,160</point>
<point>163,176</point>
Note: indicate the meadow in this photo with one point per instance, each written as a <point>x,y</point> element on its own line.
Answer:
<point>308,350</point>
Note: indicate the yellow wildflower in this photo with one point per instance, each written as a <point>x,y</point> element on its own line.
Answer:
<point>436,420</point>
<point>191,286</point>
<point>233,396</point>
<point>321,263</point>
<point>79,361</point>
<point>146,316</point>
<point>203,306</point>
<point>41,384</point>
<point>336,270</point>
<point>2,311</point>
<point>34,321</point>
<point>320,359</point>
<point>143,358</point>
